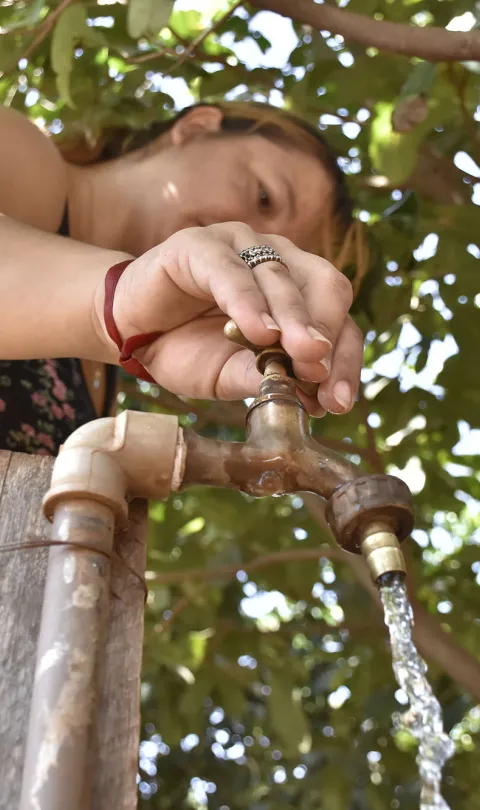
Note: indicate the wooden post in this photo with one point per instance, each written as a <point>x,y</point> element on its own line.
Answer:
<point>23,482</point>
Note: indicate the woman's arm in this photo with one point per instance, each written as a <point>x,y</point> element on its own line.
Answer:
<point>33,174</point>
<point>47,283</point>
<point>47,289</point>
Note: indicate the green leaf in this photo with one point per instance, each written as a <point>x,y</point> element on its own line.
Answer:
<point>192,527</point>
<point>420,80</point>
<point>392,153</point>
<point>286,715</point>
<point>187,24</point>
<point>160,16</point>
<point>220,82</point>
<point>11,51</point>
<point>335,791</point>
<point>169,723</point>
<point>138,16</point>
<point>70,29</point>
<point>63,84</point>
<point>148,16</point>
<point>231,697</point>
<point>198,648</point>
<point>67,31</point>
<point>193,697</point>
<point>32,16</point>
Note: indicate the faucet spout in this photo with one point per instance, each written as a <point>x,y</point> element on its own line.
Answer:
<point>279,457</point>
<point>367,514</point>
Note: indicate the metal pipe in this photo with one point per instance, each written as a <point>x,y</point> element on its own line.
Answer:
<point>99,466</point>
<point>382,552</point>
<point>59,749</point>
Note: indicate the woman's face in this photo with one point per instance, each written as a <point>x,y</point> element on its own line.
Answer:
<point>198,181</point>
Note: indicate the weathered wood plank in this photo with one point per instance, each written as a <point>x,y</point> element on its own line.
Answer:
<point>23,481</point>
<point>22,580</point>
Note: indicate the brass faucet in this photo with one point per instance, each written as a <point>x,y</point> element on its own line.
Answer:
<point>368,514</point>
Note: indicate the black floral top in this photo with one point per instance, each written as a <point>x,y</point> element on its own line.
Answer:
<point>43,401</point>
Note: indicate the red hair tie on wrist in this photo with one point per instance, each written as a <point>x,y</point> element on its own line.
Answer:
<point>127,347</point>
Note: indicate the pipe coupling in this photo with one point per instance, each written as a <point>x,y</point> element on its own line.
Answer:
<point>358,504</point>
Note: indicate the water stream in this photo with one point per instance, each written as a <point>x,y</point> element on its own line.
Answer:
<point>423,718</point>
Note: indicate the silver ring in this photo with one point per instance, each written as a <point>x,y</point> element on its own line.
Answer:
<point>257,254</point>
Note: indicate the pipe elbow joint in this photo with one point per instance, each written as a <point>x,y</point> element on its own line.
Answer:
<point>117,458</point>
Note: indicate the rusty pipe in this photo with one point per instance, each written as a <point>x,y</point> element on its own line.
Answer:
<point>99,467</point>
<point>58,755</point>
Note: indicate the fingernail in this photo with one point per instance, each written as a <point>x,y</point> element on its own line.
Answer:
<point>326,363</point>
<point>316,335</point>
<point>268,321</point>
<point>343,394</point>
<point>319,413</point>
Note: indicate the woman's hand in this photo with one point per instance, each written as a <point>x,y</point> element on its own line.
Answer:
<point>189,286</point>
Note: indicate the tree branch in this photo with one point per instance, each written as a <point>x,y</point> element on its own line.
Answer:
<point>433,44</point>
<point>192,47</point>
<point>230,571</point>
<point>43,31</point>
<point>178,608</point>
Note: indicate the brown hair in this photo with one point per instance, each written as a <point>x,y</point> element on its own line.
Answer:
<point>340,238</point>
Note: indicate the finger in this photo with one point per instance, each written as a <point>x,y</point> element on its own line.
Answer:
<point>196,360</point>
<point>311,405</point>
<point>327,292</point>
<point>285,301</point>
<point>317,371</point>
<point>337,394</point>
<point>310,303</point>
<point>289,309</point>
<point>220,274</point>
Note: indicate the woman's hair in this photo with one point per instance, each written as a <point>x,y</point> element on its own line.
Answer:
<point>339,239</point>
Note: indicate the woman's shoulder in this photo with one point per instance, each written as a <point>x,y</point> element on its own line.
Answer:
<point>33,174</point>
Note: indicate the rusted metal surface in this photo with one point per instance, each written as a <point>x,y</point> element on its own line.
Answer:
<point>279,456</point>
<point>59,752</point>
<point>118,716</point>
<point>371,498</point>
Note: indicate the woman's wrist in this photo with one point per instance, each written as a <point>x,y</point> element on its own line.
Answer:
<point>108,348</point>
<point>48,286</point>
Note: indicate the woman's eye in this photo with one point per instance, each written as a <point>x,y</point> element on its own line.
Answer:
<point>264,198</point>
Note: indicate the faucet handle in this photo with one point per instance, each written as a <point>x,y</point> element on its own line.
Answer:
<point>264,354</point>
<point>233,333</point>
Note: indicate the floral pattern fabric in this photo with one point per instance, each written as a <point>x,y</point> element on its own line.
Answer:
<point>41,403</point>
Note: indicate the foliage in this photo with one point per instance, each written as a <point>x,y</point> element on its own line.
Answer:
<point>272,688</point>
